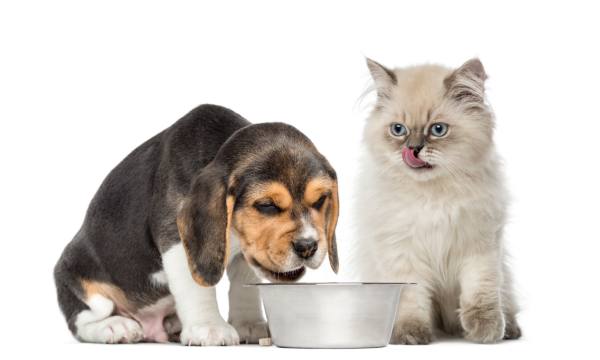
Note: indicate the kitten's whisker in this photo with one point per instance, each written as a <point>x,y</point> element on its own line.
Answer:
<point>454,171</point>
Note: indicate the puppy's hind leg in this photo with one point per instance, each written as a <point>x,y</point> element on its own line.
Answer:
<point>96,324</point>
<point>91,320</point>
<point>173,327</point>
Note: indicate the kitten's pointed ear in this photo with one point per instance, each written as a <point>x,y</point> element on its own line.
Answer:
<point>475,67</point>
<point>383,77</point>
<point>467,83</point>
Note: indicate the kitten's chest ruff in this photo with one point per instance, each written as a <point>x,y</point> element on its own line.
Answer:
<point>435,230</point>
<point>424,215</point>
<point>435,224</point>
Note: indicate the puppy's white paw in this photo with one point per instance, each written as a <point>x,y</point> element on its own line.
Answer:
<point>213,334</point>
<point>251,332</point>
<point>112,330</point>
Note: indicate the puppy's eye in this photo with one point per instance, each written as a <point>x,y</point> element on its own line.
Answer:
<point>319,203</point>
<point>439,129</point>
<point>398,129</point>
<point>267,208</point>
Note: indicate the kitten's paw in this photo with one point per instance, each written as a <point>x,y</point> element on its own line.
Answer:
<point>112,330</point>
<point>483,324</point>
<point>411,332</point>
<point>213,334</point>
<point>251,332</point>
<point>512,330</point>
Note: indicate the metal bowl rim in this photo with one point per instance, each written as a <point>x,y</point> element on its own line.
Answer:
<point>331,284</point>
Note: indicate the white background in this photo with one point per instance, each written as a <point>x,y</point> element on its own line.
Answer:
<point>82,84</point>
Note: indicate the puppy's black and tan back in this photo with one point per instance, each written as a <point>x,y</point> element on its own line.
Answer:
<point>116,248</point>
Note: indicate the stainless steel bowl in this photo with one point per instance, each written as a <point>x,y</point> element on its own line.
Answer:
<point>331,315</point>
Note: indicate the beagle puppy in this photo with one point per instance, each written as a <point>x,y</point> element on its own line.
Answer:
<point>211,192</point>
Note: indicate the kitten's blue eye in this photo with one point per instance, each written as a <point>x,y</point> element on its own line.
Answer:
<point>439,129</point>
<point>398,129</point>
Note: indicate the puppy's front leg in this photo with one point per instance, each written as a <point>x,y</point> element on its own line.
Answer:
<point>196,306</point>
<point>245,309</point>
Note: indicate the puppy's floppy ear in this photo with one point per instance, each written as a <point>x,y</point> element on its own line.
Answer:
<point>203,222</point>
<point>332,213</point>
<point>383,78</point>
<point>467,83</point>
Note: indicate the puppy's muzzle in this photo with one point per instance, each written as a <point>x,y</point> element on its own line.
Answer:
<point>305,248</point>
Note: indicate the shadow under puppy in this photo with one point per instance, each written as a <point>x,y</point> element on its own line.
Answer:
<point>210,192</point>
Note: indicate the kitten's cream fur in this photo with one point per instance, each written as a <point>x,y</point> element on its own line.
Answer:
<point>442,226</point>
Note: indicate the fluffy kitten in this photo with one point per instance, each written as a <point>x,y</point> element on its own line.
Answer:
<point>433,204</point>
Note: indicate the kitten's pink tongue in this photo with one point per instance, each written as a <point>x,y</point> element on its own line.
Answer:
<point>411,160</point>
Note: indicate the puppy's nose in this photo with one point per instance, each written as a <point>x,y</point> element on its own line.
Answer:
<point>305,248</point>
